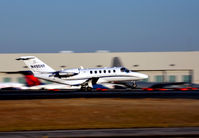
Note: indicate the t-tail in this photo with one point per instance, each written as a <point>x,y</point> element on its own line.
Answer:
<point>36,65</point>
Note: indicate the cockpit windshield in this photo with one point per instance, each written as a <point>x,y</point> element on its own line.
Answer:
<point>124,70</point>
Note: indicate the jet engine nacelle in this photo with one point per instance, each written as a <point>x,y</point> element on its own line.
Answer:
<point>66,73</point>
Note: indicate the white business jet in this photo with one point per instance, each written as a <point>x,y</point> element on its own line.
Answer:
<point>85,78</point>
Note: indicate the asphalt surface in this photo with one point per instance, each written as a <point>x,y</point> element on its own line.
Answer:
<point>45,94</point>
<point>131,132</point>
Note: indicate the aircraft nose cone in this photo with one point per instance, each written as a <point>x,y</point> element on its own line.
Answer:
<point>140,76</point>
<point>144,76</point>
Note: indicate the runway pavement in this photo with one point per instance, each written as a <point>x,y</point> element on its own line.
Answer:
<point>45,94</point>
<point>130,132</point>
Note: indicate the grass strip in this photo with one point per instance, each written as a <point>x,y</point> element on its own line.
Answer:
<point>82,113</point>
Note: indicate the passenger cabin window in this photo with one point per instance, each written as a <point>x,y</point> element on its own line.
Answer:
<point>100,71</point>
<point>104,71</point>
<point>91,72</point>
<point>124,70</point>
<point>114,71</point>
<point>95,72</point>
<point>109,71</point>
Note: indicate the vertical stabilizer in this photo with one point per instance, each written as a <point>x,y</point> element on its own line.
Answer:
<point>35,64</point>
<point>30,79</point>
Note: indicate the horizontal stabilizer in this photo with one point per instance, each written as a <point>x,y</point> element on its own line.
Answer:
<point>25,58</point>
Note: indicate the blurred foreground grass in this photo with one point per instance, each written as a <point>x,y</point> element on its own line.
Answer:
<point>97,113</point>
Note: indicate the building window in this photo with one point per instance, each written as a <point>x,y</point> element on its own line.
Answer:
<point>186,78</point>
<point>6,79</point>
<point>172,78</point>
<point>159,78</point>
<point>21,80</point>
<point>145,80</point>
<point>48,82</point>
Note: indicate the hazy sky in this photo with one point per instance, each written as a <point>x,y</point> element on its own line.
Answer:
<point>90,25</point>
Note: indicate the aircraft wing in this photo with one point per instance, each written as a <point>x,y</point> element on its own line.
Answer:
<point>18,72</point>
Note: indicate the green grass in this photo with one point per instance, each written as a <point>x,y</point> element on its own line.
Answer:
<point>97,113</point>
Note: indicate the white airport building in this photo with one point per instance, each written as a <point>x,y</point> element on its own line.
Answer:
<point>160,66</point>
